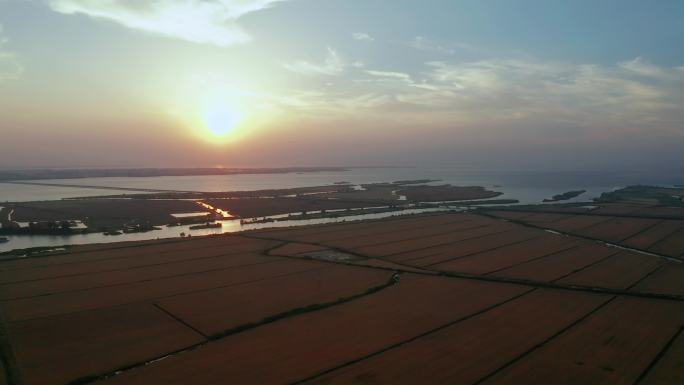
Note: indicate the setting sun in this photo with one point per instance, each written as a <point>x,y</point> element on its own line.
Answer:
<point>220,120</point>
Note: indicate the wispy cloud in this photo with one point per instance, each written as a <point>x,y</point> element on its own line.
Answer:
<point>424,44</point>
<point>332,65</point>
<point>363,36</point>
<point>390,74</point>
<point>199,21</point>
<point>630,95</point>
<point>10,66</point>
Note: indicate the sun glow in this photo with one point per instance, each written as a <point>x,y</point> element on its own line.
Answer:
<point>221,120</point>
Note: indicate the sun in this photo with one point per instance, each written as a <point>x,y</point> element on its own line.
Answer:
<point>220,120</point>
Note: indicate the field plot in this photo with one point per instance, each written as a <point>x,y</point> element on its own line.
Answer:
<point>110,278</point>
<point>620,209</point>
<point>421,299</point>
<point>412,244</point>
<point>617,229</point>
<point>668,369</point>
<point>459,242</point>
<point>299,347</point>
<point>469,350</point>
<point>672,245</point>
<point>326,234</point>
<point>501,258</point>
<point>619,271</point>
<point>558,265</point>
<point>513,215</point>
<point>356,238</point>
<point>649,237</point>
<point>293,249</point>
<point>113,258</point>
<point>669,279</point>
<point>613,346</point>
<point>541,218</point>
<point>68,302</point>
<point>217,310</point>
<point>366,242</point>
<point>477,245</point>
<point>417,221</point>
<point>58,349</point>
<point>576,222</point>
<point>662,212</point>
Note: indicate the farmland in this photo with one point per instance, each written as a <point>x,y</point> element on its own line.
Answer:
<point>486,297</point>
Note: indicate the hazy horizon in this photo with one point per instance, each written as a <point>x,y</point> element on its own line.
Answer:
<point>581,85</point>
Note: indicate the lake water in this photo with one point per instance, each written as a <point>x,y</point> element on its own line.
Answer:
<point>526,186</point>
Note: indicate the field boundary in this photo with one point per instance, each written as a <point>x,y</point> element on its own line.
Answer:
<point>393,280</point>
<point>409,340</point>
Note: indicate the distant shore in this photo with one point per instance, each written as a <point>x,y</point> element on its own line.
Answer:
<point>38,174</point>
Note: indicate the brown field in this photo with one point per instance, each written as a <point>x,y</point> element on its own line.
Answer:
<point>576,222</point>
<point>58,349</point>
<point>111,278</point>
<point>501,258</point>
<point>214,311</point>
<point>619,209</point>
<point>371,231</point>
<point>558,265</point>
<point>454,356</point>
<point>650,232</point>
<point>617,229</point>
<point>458,242</point>
<point>667,280</point>
<point>514,215</point>
<point>293,249</point>
<point>449,298</point>
<point>391,247</point>
<point>385,264</point>
<point>68,302</point>
<point>468,247</point>
<point>113,260</point>
<point>619,271</point>
<point>309,234</point>
<point>545,217</point>
<point>672,245</point>
<point>661,212</point>
<point>668,370</point>
<point>333,336</point>
<point>365,241</point>
<point>649,237</point>
<point>613,346</point>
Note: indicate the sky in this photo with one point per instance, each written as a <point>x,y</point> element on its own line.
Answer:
<point>525,84</point>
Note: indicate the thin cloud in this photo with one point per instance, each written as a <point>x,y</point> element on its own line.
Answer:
<point>633,94</point>
<point>333,65</point>
<point>199,21</point>
<point>390,74</point>
<point>362,36</point>
<point>423,44</point>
